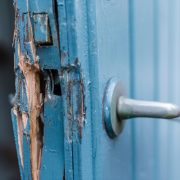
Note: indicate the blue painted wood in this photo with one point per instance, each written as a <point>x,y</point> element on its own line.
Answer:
<point>14,123</point>
<point>50,59</point>
<point>144,146</point>
<point>77,148</point>
<point>163,132</point>
<point>136,41</point>
<point>148,68</point>
<point>113,60</point>
<point>169,43</point>
<point>52,157</point>
<point>52,164</point>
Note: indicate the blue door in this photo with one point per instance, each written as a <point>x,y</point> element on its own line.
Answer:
<point>65,53</point>
<point>137,42</point>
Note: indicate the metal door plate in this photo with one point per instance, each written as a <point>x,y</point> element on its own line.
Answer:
<point>113,91</point>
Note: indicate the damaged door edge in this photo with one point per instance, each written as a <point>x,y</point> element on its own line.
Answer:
<point>73,91</point>
<point>71,72</point>
<point>71,76</point>
<point>31,73</point>
<point>22,119</point>
<point>72,79</point>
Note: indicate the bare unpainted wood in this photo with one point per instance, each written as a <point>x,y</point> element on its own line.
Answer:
<point>31,73</point>
<point>22,119</point>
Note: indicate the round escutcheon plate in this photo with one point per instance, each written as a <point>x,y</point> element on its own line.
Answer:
<point>113,91</point>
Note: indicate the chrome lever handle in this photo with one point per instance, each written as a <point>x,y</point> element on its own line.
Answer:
<point>117,108</point>
<point>129,108</point>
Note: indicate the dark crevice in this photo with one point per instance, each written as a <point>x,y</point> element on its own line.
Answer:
<point>57,86</point>
<point>56,17</point>
<point>52,82</point>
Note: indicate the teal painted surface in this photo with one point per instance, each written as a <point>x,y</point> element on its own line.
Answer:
<point>136,41</point>
<point>52,163</point>
<point>51,115</point>
<point>74,48</point>
<point>113,157</point>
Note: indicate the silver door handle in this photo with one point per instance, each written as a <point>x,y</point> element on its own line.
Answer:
<point>117,108</point>
<point>129,108</point>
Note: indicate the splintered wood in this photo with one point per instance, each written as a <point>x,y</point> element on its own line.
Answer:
<point>31,73</point>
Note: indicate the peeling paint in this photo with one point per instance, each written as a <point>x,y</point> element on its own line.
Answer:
<point>37,57</point>
<point>32,77</point>
<point>20,134</point>
<point>24,119</point>
<point>42,30</point>
<point>75,98</point>
<point>31,73</point>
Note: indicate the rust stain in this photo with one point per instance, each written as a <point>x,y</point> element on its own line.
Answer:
<point>81,106</point>
<point>75,98</point>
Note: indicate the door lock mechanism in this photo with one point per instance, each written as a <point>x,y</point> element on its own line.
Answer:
<point>117,108</point>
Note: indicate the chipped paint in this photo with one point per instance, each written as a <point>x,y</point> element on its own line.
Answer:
<point>37,54</point>
<point>36,42</point>
<point>31,73</point>
<point>42,31</point>
<point>24,119</point>
<point>20,133</point>
<point>75,98</point>
<point>32,77</point>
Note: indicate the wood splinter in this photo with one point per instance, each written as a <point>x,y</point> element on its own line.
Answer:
<point>31,73</point>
